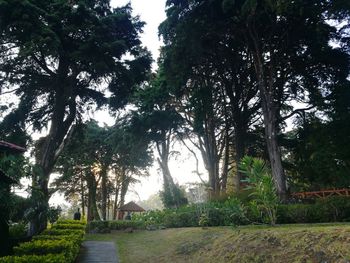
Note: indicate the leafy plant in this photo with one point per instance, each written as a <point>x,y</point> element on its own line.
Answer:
<point>18,230</point>
<point>263,188</point>
<point>203,220</point>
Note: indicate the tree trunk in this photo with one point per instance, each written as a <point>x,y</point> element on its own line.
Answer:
<point>104,192</point>
<point>124,186</point>
<point>275,154</point>
<point>47,152</point>
<point>225,165</point>
<point>117,187</point>
<point>92,187</point>
<point>239,154</point>
<point>82,196</point>
<point>163,148</point>
<point>269,109</point>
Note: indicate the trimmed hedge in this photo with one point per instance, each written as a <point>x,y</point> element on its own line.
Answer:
<point>71,221</point>
<point>331,209</point>
<point>107,226</point>
<point>69,226</point>
<point>49,258</point>
<point>59,244</point>
<point>42,247</point>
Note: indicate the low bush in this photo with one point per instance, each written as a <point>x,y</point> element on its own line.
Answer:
<point>107,226</point>
<point>49,258</point>
<point>68,226</point>
<point>18,230</point>
<point>59,244</point>
<point>77,239</point>
<point>218,213</point>
<point>331,209</point>
<point>121,225</point>
<point>71,221</point>
<point>42,247</point>
<point>59,232</point>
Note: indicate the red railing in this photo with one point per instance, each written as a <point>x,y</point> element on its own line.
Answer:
<point>322,193</point>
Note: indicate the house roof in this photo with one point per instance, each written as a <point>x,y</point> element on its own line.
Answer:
<point>131,207</point>
<point>6,179</point>
<point>10,147</point>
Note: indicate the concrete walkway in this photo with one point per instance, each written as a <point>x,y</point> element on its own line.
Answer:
<point>97,252</point>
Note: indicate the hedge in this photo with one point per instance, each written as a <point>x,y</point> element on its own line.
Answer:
<point>331,209</point>
<point>59,244</point>
<point>42,247</point>
<point>107,226</point>
<point>49,258</point>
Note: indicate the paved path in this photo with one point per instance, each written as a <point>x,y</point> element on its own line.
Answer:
<point>97,252</point>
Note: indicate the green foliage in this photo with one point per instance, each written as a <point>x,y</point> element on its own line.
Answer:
<point>173,196</point>
<point>49,258</point>
<point>69,226</point>
<point>19,205</point>
<point>331,209</point>
<point>71,221</point>
<point>18,230</point>
<point>42,247</point>
<point>225,213</point>
<point>54,213</point>
<point>59,232</point>
<point>61,243</point>
<point>260,181</point>
<point>107,226</point>
<point>203,220</point>
<point>72,237</point>
<point>320,153</point>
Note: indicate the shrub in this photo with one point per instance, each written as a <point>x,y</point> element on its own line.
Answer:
<point>59,244</point>
<point>42,247</point>
<point>49,258</point>
<point>69,226</point>
<point>59,232</point>
<point>263,188</point>
<point>98,226</point>
<point>18,230</point>
<point>228,212</point>
<point>71,221</point>
<point>107,226</point>
<point>120,225</point>
<point>74,238</point>
<point>332,209</point>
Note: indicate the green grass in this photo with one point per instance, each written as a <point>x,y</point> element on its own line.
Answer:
<point>288,243</point>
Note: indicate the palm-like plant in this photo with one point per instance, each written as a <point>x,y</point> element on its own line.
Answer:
<point>263,188</point>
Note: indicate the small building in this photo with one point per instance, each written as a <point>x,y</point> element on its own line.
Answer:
<point>125,211</point>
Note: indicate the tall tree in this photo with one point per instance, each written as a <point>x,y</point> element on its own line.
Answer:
<point>159,121</point>
<point>56,54</point>
<point>203,59</point>
<point>289,60</point>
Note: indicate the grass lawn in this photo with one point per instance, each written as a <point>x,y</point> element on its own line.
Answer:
<point>288,243</point>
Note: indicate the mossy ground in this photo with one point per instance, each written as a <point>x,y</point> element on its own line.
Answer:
<point>288,243</point>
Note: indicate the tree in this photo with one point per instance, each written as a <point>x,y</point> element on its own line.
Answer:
<point>55,54</point>
<point>159,122</point>
<point>288,59</point>
<point>275,56</point>
<point>94,155</point>
<point>211,67</point>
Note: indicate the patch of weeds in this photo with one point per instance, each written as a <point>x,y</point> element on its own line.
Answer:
<point>189,248</point>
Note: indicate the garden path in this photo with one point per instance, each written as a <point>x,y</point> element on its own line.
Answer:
<point>97,252</point>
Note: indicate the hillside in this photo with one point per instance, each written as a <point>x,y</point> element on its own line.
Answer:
<point>292,243</point>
